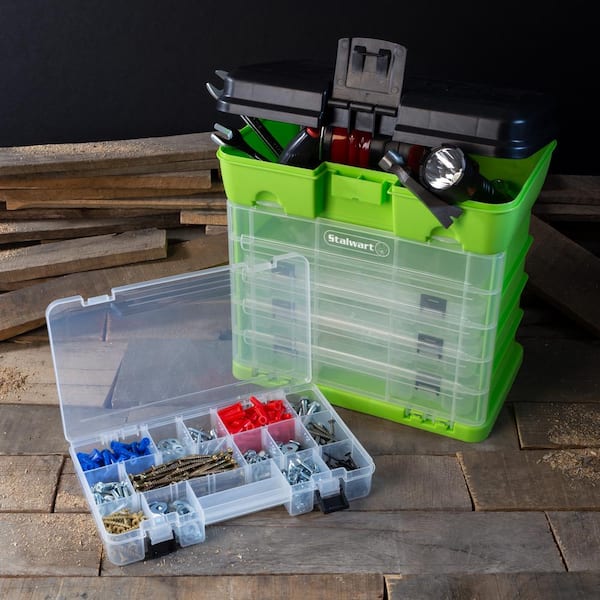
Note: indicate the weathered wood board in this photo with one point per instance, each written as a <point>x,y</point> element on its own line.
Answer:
<point>24,309</point>
<point>203,217</point>
<point>56,229</point>
<point>416,483</point>
<point>495,586</point>
<point>569,198</point>
<point>215,229</point>
<point>110,154</point>
<point>28,483</point>
<point>366,542</point>
<point>82,254</point>
<point>564,274</point>
<point>288,587</point>
<point>572,363</point>
<point>27,378</point>
<point>213,198</point>
<point>578,538</point>
<point>531,480</point>
<point>39,544</point>
<point>69,495</point>
<point>69,214</point>
<point>159,181</point>
<point>30,429</point>
<point>558,425</point>
<point>66,196</point>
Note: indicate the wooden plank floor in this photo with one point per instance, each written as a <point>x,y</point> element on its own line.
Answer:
<point>515,516</point>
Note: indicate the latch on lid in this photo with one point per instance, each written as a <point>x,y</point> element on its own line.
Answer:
<point>367,83</point>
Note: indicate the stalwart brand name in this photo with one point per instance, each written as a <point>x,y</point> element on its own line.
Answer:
<point>357,243</point>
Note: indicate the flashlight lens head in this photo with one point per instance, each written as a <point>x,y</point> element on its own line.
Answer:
<point>443,167</point>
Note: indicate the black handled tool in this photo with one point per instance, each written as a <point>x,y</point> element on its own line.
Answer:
<point>443,212</point>
<point>254,122</point>
<point>264,134</point>
<point>223,136</point>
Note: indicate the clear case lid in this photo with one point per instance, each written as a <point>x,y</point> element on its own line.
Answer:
<point>170,346</point>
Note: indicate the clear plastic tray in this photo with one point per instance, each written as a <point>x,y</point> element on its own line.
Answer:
<point>159,364</point>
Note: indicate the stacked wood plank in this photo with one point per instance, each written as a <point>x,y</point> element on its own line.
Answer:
<point>563,263</point>
<point>114,212</point>
<point>569,198</point>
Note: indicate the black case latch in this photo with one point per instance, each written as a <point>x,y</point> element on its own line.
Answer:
<point>333,503</point>
<point>161,548</point>
<point>369,71</point>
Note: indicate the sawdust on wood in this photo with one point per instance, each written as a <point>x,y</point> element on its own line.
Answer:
<point>52,532</point>
<point>9,253</point>
<point>577,425</point>
<point>12,381</point>
<point>69,497</point>
<point>28,483</point>
<point>581,464</point>
<point>103,149</point>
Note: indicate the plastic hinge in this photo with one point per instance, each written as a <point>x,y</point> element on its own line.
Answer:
<point>98,300</point>
<point>332,503</point>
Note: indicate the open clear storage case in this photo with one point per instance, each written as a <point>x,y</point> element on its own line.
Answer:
<point>161,365</point>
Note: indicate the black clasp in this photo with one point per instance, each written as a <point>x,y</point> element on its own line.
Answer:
<point>333,503</point>
<point>369,71</point>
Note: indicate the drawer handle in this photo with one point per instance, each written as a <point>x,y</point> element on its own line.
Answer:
<point>433,303</point>
<point>429,383</point>
<point>429,344</point>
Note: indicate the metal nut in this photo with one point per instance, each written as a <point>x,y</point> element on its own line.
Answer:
<point>158,508</point>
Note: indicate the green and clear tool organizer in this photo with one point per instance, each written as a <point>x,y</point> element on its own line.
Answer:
<point>411,322</point>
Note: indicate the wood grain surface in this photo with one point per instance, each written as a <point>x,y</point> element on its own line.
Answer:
<point>24,309</point>
<point>565,274</point>
<point>82,254</point>
<point>86,156</point>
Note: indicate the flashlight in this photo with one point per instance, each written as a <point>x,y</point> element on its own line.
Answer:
<point>449,173</point>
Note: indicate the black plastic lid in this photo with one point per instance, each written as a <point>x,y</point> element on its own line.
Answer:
<point>288,91</point>
<point>481,119</point>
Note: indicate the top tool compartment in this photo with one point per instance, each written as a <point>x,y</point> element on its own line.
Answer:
<point>335,125</point>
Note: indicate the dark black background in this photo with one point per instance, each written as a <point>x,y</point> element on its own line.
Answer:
<point>75,70</point>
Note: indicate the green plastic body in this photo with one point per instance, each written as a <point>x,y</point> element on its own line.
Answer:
<point>372,199</point>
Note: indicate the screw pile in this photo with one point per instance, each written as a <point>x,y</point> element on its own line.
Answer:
<point>195,465</point>
<point>123,521</point>
<point>303,405</point>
